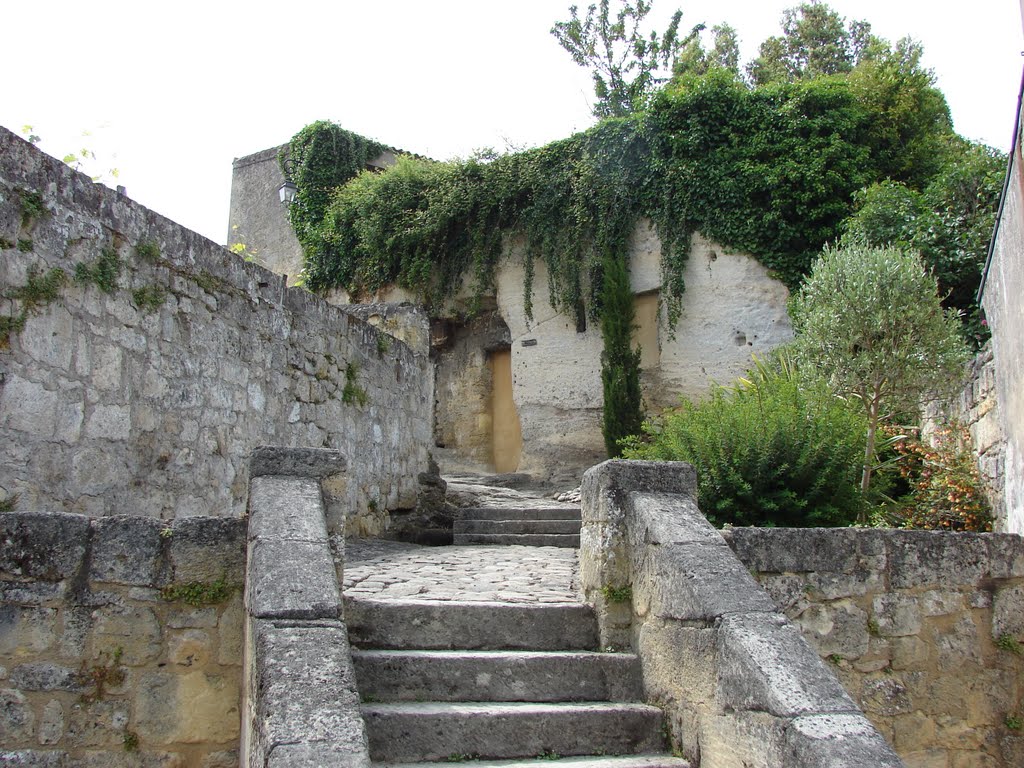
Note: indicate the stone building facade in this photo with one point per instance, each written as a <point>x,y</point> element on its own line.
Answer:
<point>521,394</point>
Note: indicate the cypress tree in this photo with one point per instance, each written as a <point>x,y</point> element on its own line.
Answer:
<point>620,363</point>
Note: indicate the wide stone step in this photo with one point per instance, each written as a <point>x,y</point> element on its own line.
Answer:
<point>520,513</point>
<point>519,539</point>
<point>496,676</point>
<point>439,730</point>
<point>516,526</point>
<point>587,761</point>
<point>422,625</point>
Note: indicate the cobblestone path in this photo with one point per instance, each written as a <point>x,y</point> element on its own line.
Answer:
<point>389,570</point>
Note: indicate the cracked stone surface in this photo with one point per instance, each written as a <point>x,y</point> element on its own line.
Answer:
<point>389,570</point>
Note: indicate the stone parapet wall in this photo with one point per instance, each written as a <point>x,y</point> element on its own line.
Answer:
<point>923,628</point>
<point>976,408</point>
<point>149,397</point>
<point>120,641</point>
<point>301,705</point>
<point>738,682</point>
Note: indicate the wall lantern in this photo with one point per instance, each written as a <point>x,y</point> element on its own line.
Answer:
<point>288,189</point>
<point>287,192</point>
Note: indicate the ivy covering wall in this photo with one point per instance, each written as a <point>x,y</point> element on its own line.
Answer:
<point>771,171</point>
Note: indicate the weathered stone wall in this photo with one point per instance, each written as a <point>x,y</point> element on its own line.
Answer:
<point>1002,289</point>
<point>731,308</point>
<point>923,628</point>
<point>977,409</point>
<point>738,682</point>
<point>103,660</point>
<point>110,406</point>
<point>258,221</point>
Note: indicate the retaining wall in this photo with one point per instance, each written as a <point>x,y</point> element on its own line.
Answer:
<point>104,658</point>
<point>148,398</point>
<point>922,627</point>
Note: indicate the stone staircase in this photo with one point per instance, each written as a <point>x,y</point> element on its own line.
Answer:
<point>485,682</point>
<point>536,524</point>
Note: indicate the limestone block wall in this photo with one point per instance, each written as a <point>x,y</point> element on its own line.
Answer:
<point>923,628</point>
<point>147,398</point>
<point>120,640</point>
<point>1002,288</point>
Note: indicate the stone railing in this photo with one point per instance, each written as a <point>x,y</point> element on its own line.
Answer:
<point>739,684</point>
<point>120,640</point>
<point>924,629</point>
<point>301,706</point>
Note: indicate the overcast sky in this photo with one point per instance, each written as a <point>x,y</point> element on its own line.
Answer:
<point>172,92</point>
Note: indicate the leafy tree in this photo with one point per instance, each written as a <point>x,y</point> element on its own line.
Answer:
<point>869,319</point>
<point>815,41</point>
<point>620,363</point>
<point>694,59</point>
<point>626,65</point>
<point>949,223</point>
<point>776,448</point>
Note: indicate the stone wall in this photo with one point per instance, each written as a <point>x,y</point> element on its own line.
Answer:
<point>738,682</point>
<point>923,628</point>
<point>1001,291</point>
<point>977,409</point>
<point>120,641</point>
<point>148,398</point>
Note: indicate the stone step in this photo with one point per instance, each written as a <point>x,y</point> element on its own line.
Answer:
<point>445,625</point>
<point>586,761</point>
<point>519,539</point>
<point>410,731</point>
<point>384,676</point>
<point>554,512</point>
<point>516,526</point>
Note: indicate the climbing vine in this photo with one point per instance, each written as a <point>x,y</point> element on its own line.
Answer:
<point>771,171</point>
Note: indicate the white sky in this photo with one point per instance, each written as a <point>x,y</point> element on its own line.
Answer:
<point>172,92</point>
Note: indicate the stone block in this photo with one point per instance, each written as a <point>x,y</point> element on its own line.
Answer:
<point>618,475</point>
<point>192,708</point>
<point>665,518</point>
<point>766,665</point>
<point>26,631</point>
<point>135,630</point>
<point>308,691</point>
<point>45,546</point>
<point>837,628</point>
<point>926,558</point>
<point>127,550</point>
<point>1006,555</point>
<point>694,582</point>
<point>286,509</point>
<point>109,422</point>
<point>44,676</point>
<point>897,614</point>
<point>51,724</point>
<point>680,662</point>
<point>34,758</point>
<point>292,579</point>
<point>316,463</point>
<point>749,739</point>
<point>833,740</point>
<point>27,406</point>
<point>207,549</point>
<point>1008,612</point>
<point>798,550</point>
<point>17,721</point>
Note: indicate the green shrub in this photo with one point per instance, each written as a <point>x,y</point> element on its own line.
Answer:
<point>777,448</point>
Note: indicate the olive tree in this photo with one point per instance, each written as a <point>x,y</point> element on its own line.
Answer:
<point>870,320</point>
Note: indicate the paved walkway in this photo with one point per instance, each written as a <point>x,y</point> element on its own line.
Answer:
<point>390,570</point>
